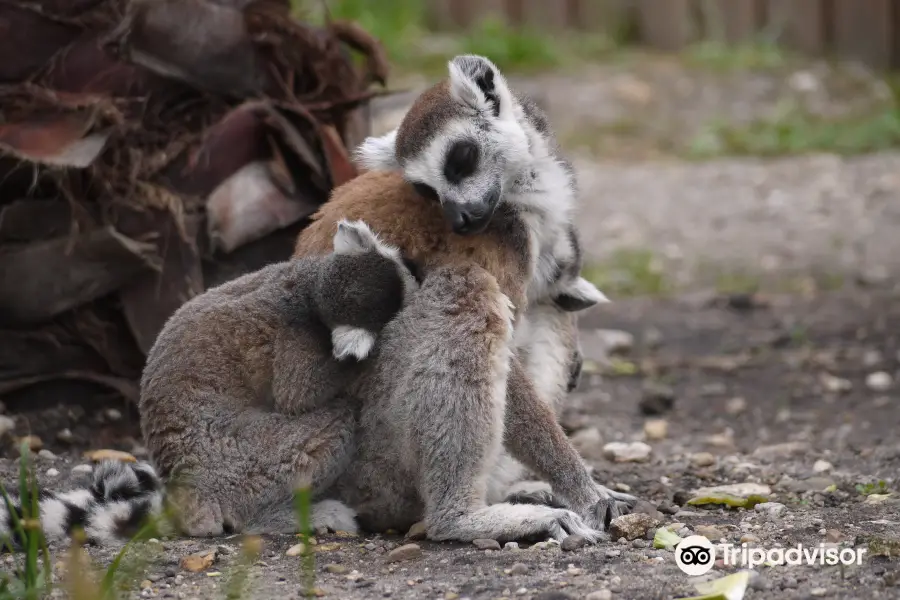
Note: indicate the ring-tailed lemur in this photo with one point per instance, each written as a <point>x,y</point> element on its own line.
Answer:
<point>282,339</point>
<point>445,386</point>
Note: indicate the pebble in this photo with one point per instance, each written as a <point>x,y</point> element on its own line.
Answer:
<point>403,553</point>
<point>46,455</point>
<point>627,452</point>
<point>418,531</point>
<point>772,509</point>
<point>615,341</point>
<point>573,542</point>
<point>65,436</point>
<point>599,595</point>
<point>834,536</point>
<point>879,381</point>
<point>82,469</point>
<point>749,538</point>
<point>34,442</point>
<point>486,544</point>
<point>703,459</point>
<point>588,442</point>
<point>613,553</point>
<point>818,592</point>
<point>632,526</point>
<point>835,385</point>
<point>710,532</point>
<point>778,451</point>
<point>519,569</point>
<point>512,546</point>
<point>872,358</point>
<point>822,466</point>
<point>688,514</point>
<point>735,406</point>
<point>656,398</point>
<point>574,571</point>
<point>337,569</point>
<point>656,429</point>
<point>295,550</point>
<point>51,472</point>
<point>6,425</point>
<point>113,414</point>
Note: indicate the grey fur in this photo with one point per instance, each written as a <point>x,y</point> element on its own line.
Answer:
<point>234,367</point>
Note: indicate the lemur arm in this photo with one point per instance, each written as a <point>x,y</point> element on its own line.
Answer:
<point>535,438</point>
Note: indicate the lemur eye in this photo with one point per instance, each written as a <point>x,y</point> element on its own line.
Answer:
<point>426,191</point>
<point>462,159</point>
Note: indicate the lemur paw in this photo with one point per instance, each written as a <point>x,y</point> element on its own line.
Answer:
<point>625,502</point>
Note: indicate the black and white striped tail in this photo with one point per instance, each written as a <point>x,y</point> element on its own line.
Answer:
<point>120,499</point>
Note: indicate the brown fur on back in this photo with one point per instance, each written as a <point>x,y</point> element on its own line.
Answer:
<point>402,218</point>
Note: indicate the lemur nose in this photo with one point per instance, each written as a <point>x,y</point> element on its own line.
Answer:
<point>465,221</point>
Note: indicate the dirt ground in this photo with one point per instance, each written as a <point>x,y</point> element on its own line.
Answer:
<point>798,391</point>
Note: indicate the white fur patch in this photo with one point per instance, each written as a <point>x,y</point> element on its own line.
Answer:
<point>355,237</point>
<point>587,291</point>
<point>351,341</point>
<point>378,153</point>
<point>334,515</point>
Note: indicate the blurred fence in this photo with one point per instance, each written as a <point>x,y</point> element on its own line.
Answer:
<point>865,30</point>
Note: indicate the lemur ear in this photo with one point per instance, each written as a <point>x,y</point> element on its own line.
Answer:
<point>353,237</point>
<point>378,153</point>
<point>477,82</point>
<point>580,295</point>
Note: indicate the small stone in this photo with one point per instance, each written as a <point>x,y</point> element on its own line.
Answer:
<point>631,526</point>
<point>588,442</point>
<point>199,561</point>
<point>46,455</point>
<point>7,425</point>
<point>703,459</point>
<point>710,532</point>
<point>574,571</point>
<point>573,542</point>
<point>336,569</point>
<point>51,472</point>
<point>511,546</point>
<point>656,399</point>
<point>872,358</point>
<point>772,509</point>
<point>613,553</point>
<point>688,514</point>
<point>519,569</point>
<point>615,341</point>
<point>879,381</point>
<point>822,466</point>
<point>403,553</point>
<point>146,584</point>
<point>735,406</point>
<point>113,414</point>
<point>65,436</point>
<point>33,442</point>
<point>834,536</point>
<point>818,592</point>
<point>627,452</point>
<point>599,595</point>
<point>656,429</point>
<point>295,550</point>
<point>780,451</point>
<point>835,385</point>
<point>418,531</point>
<point>486,544</point>
<point>749,538</point>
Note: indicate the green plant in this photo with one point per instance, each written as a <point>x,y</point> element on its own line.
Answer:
<point>30,578</point>
<point>303,508</point>
<point>867,489</point>
<point>630,272</point>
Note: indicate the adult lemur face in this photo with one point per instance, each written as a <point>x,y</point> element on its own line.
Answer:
<point>459,144</point>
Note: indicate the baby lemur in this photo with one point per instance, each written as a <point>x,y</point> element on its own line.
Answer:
<point>237,363</point>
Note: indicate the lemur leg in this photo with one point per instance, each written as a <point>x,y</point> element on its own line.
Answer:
<point>241,477</point>
<point>534,437</point>
<point>438,391</point>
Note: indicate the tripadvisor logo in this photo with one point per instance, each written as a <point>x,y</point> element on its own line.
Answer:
<point>696,555</point>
